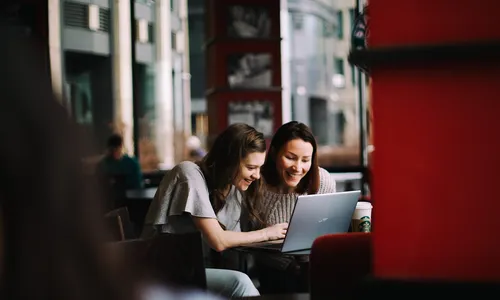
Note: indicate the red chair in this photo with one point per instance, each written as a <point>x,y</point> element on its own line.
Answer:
<point>338,265</point>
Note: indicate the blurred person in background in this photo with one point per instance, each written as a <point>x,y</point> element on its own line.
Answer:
<point>118,163</point>
<point>194,149</point>
<point>51,226</point>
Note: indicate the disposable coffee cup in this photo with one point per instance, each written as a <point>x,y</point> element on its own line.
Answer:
<point>362,217</point>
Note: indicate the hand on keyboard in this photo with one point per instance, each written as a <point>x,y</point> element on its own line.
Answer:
<point>276,232</point>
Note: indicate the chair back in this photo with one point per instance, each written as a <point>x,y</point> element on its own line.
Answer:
<point>114,225</point>
<point>338,264</point>
<point>172,259</point>
<point>127,227</point>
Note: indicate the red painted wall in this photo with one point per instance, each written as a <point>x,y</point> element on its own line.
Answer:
<point>437,147</point>
<point>426,21</point>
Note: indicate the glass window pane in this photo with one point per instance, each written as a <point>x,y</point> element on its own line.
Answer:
<point>340,27</point>
<point>339,66</point>
<point>321,97</point>
<point>148,156</point>
<point>89,90</point>
<point>351,18</point>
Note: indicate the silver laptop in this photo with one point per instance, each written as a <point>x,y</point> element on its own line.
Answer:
<point>314,216</point>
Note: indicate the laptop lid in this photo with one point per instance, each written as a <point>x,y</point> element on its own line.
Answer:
<point>317,215</point>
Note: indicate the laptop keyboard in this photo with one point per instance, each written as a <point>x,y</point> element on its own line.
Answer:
<point>273,245</point>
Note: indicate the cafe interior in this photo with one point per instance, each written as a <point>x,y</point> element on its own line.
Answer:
<point>406,116</point>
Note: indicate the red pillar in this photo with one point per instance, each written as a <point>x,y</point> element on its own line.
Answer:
<point>437,144</point>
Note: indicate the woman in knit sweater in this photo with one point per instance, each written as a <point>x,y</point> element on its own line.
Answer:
<point>290,169</point>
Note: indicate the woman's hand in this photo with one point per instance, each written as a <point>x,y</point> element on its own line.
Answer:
<point>220,239</point>
<point>276,232</point>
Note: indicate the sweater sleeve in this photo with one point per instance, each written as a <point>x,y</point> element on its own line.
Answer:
<point>326,182</point>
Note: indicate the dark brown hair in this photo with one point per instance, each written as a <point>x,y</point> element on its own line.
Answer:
<point>221,165</point>
<point>52,229</point>
<point>286,133</point>
<point>115,141</point>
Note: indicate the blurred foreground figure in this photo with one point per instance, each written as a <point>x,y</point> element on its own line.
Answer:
<point>51,231</point>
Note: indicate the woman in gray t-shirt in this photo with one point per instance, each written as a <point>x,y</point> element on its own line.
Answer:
<point>207,196</point>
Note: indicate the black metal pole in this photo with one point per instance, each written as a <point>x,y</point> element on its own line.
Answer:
<point>135,77</point>
<point>362,119</point>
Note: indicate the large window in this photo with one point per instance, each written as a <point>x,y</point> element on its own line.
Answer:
<point>146,113</point>
<point>89,92</point>
<point>324,91</point>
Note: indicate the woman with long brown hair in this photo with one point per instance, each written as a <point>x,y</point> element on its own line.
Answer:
<point>291,169</point>
<point>207,196</point>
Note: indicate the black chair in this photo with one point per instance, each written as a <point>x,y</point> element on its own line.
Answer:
<point>115,228</point>
<point>114,190</point>
<point>172,259</point>
<point>122,217</point>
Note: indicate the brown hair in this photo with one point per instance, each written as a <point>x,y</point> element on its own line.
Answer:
<point>221,165</point>
<point>52,229</point>
<point>288,132</point>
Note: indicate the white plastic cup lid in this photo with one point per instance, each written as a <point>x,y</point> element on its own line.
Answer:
<point>363,205</point>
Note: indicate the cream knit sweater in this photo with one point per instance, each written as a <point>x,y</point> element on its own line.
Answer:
<point>278,208</point>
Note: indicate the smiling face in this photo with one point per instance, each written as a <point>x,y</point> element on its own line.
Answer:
<point>249,170</point>
<point>294,161</point>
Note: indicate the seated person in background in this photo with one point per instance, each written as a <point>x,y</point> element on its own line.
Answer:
<point>290,169</point>
<point>194,148</point>
<point>117,163</point>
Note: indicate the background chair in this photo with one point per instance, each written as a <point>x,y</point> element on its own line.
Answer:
<point>120,217</point>
<point>338,265</point>
<point>114,225</point>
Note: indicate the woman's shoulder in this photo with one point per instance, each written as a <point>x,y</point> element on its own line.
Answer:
<point>326,182</point>
<point>187,170</point>
<point>186,173</point>
<point>324,174</point>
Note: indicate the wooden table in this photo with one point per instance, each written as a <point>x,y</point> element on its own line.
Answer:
<point>141,194</point>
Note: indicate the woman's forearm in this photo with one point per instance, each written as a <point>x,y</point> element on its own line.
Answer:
<point>229,239</point>
<point>220,239</point>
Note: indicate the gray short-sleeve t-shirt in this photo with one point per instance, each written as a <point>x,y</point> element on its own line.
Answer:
<point>183,193</point>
